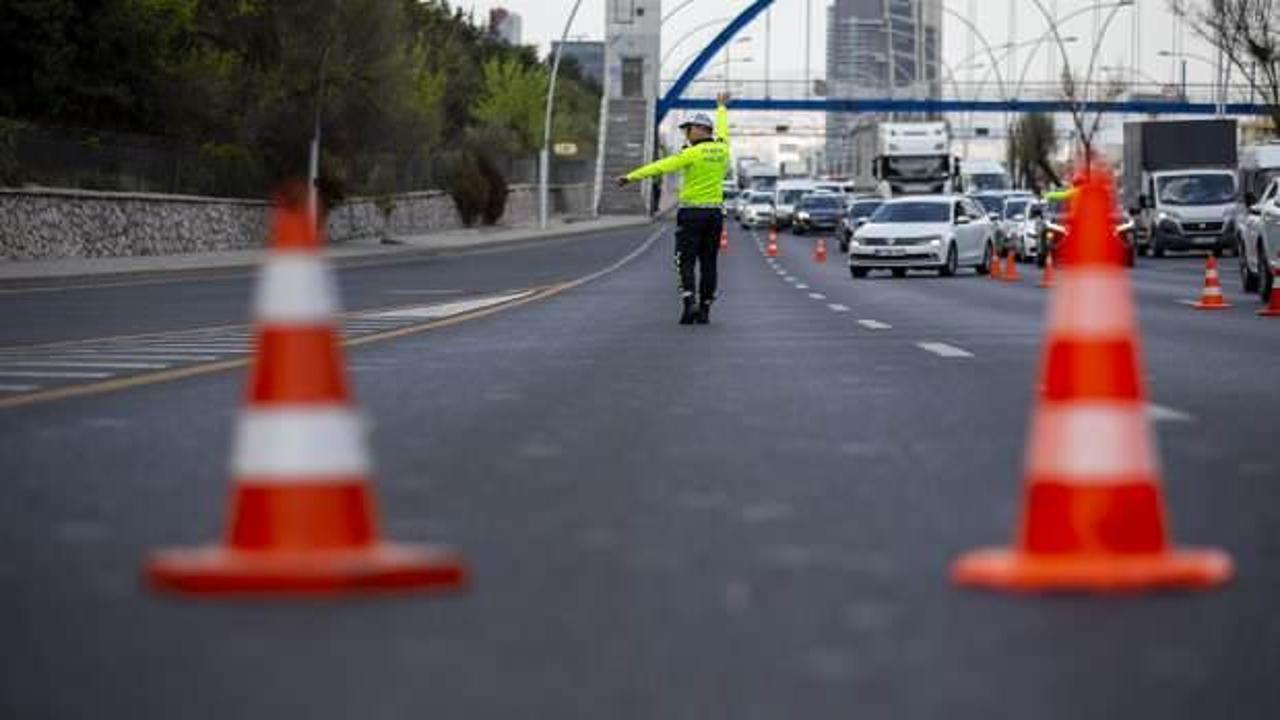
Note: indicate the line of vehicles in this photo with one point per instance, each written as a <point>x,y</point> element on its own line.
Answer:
<point>1183,185</point>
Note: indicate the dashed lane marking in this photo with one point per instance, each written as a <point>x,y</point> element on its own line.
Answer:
<point>1159,413</point>
<point>875,325</point>
<point>817,296</point>
<point>201,351</point>
<point>944,350</point>
<point>837,307</point>
<point>801,286</point>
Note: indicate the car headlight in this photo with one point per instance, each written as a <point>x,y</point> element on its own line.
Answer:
<point>1125,226</point>
<point>1166,216</point>
<point>802,215</point>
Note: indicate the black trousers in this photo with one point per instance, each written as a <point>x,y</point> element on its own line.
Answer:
<point>697,248</point>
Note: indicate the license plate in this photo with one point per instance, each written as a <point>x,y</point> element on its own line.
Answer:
<point>890,252</point>
<point>1209,240</point>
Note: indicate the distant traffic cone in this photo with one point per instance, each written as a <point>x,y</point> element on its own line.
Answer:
<point>996,272</point>
<point>1211,295</point>
<point>820,251</point>
<point>1093,515</point>
<point>1046,278</point>
<point>302,518</point>
<point>724,238</point>
<point>771,247</point>
<point>1273,307</point>
<point>1010,268</point>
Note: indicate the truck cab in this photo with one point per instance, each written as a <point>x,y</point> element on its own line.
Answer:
<point>914,159</point>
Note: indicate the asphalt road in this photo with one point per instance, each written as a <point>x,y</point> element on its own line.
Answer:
<point>747,520</point>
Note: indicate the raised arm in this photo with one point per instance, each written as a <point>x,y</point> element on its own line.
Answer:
<point>722,117</point>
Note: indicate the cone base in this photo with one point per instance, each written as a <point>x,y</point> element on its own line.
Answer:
<point>1177,569</point>
<point>1269,312</point>
<point>216,570</point>
<point>1201,305</point>
<point>1006,278</point>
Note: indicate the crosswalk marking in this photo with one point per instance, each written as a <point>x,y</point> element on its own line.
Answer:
<point>85,365</point>
<point>18,388</point>
<point>54,374</point>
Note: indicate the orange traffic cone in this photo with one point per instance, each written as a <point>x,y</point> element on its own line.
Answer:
<point>820,251</point>
<point>724,238</point>
<point>1093,515</point>
<point>1010,268</point>
<point>1211,295</point>
<point>1046,278</point>
<point>302,517</point>
<point>996,272</point>
<point>1273,306</point>
<point>771,247</point>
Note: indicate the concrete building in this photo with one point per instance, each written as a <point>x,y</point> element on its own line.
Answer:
<point>588,54</point>
<point>633,54</point>
<point>877,48</point>
<point>505,25</point>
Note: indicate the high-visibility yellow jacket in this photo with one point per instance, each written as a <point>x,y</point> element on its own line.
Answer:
<point>702,165</point>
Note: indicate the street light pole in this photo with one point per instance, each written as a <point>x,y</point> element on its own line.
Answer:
<point>544,158</point>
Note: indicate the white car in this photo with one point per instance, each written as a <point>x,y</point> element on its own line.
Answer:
<point>936,232</point>
<point>1024,234</point>
<point>755,209</point>
<point>1013,214</point>
<point>1259,242</point>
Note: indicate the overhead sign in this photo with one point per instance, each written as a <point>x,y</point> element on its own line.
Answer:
<point>565,149</point>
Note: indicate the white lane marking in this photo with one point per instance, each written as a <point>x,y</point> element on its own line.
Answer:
<point>817,296</point>
<point>54,374</point>
<point>837,307</point>
<point>422,292</point>
<point>801,286</point>
<point>875,325</point>
<point>1158,413</point>
<point>790,279</point>
<point>18,388</point>
<point>86,365</point>
<point>108,356</point>
<point>429,312</point>
<point>944,350</point>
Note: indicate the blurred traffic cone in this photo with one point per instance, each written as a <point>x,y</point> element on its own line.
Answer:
<point>1093,515</point>
<point>1010,268</point>
<point>724,238</point>
<point>1046,278</point>
<point>820,251</point>
<point>1273,307</point>
<point>1211,295</point>
<point>996,272</point>
<point>302,517</point>
<point>771,247</point>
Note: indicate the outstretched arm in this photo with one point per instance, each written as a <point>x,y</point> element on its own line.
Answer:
<point>669,164</point>
<point>722,117</point>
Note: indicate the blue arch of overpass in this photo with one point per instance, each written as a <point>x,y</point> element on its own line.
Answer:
<point>983,106</point>
<point>673,99</point>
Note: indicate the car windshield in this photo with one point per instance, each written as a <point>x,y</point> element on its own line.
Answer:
<point>760,198</point>
<point>730,194</point>
<point>987,181</point>
<point>923,166</point>
<point>913,212</point>
<point>1015,208</point>
<point>791,197</point>
<point>990,203</point>
<point>821,202</point>
<point>864,208</point>
<point>1203,189</point>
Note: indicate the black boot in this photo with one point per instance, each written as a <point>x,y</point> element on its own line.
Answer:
<point>704,313</point>
<point>690,312</point>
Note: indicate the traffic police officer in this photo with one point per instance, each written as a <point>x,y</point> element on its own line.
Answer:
<point>703,165</point>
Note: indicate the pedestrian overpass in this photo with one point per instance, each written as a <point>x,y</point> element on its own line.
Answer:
<point>684,93</point>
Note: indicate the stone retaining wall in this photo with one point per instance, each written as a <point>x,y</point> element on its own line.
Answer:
<point>51,223</point>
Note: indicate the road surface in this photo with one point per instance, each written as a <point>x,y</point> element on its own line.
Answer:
<point>751,519</point>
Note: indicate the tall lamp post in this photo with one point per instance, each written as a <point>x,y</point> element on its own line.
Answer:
<point>544,157</point>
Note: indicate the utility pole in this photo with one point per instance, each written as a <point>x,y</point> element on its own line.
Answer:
<point>768,48</point>
<point>808,28</point>
<point>544,157</point>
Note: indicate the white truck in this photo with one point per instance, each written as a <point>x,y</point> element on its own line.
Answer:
<point>1180,184</point>
<point>983,175</point>
<point>914,158</point>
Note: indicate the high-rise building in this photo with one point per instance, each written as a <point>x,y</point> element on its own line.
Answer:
<point>877,48</point>
<point>505,25</point>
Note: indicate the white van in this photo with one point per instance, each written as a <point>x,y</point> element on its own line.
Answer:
<point>786,196</point>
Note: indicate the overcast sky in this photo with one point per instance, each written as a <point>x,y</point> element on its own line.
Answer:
<point>544,20</point>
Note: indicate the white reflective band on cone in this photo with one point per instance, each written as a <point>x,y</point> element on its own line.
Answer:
<point>295,288</point>
<point>1091,442</point>
<point>1092,304</point>
<point>298,444</point>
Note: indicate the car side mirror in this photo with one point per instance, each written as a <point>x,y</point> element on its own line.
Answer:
<point>1144,202</point>
<point>1250,199</point>
<point>992,216</point>
<point>962,220</point>
<point>859,222</point>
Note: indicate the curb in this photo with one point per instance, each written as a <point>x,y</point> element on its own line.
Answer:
<point>239,269</point>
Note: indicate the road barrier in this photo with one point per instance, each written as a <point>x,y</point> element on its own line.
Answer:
<point>302,517</point>
<point>1211,295</point>
<point>1093,516</point>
